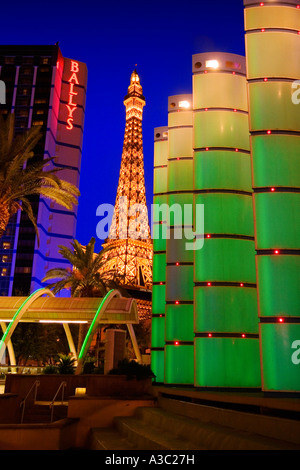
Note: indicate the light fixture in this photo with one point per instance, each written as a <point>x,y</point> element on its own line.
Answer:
<point>184,104</point>
<point>212,64</point>
<point>63,321</point>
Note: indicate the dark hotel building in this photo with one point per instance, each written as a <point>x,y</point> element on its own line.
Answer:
<point>45,89</point>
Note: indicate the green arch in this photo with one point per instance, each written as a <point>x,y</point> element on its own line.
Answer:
<point>17,317</point>
<point>89,336</point>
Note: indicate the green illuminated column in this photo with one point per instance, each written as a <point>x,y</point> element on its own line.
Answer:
<point>179,321</point>
<point>225,298</point>
<point>159,226</point>
<point>273,66</point>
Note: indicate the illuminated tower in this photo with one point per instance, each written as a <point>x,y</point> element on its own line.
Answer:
<point>129,257</point>
<point>273,73</point>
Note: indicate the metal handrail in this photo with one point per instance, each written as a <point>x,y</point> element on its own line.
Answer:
<point>61,386</point>
<point>35,385</point>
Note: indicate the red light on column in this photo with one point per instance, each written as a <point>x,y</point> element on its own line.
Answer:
<point>272,190</point>
<point>233,73</point>
<point>178,158</point>
<point>281,320</point>
<point>206,148</point>
<point>160,315</point>
<point>208,236</point>
<point>263,30</point>
<point>209,335</point>
<point>241,284</point>
<point>177,264</point>
<point>269,132</point>
<point>235,110</point>
<point>206,109</point>
<point>161,283</point>
<point>265,79</point>
<point>209,283</point>
<point>243,335</point>
<point>176,343</point>
<point>276,252</point>
<point>261,4</point>
<point>176,302</point>
<point>236,150</point>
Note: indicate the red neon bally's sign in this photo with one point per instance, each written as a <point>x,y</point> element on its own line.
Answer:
<point>71,106</point>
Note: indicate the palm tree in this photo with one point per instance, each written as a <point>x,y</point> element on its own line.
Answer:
<point>84,278</point>
<point>22,177</point>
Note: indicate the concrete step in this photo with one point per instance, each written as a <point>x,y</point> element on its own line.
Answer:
<point>149,437</point>
<point>109,439</point>
<point>41,413</point>
<point>206,435</point>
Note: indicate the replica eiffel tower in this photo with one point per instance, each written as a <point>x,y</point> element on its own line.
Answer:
<point>129,250</point>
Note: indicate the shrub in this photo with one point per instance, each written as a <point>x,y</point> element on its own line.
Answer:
<point>50,369</point>
<point>66,365</point>
<point>132,369</point>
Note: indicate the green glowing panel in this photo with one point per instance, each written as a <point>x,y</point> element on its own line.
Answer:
<point>160,180</point>
<point>180,281</point>
<point>176,250</point>
<point>280,347</point>
<point>227,362</point>
<point>158,365</point>
<point>158,298</point>
<point>278,285</point>
<point>179,364</point>
<point>279,111</point>
<point>181,142</point>
<point>220,90</point>
<point>221,129</point>
<point>222,169</point>
<point>285,17</point>
<point>158,332</point>
<point>159,236</point>
<point>226,309</point>
<point>180,175</point>
<point>276,160</point>
<point>178,119</point>
<point>277,220</point>
<point>161,153</point>
<point>225,260</point>
<point>177,211</point>
<point>285,64</point>
<point>227,213</point>
<point>159,209</point>
<point>180,322</point>
<point>159,267</point>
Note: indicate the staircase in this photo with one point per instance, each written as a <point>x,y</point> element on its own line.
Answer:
<point>40,412</point>
<point>196,427</point>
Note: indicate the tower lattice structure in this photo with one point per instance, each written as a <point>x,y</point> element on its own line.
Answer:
<point>129,246</point>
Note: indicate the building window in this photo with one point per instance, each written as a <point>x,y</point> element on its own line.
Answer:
<point>4,259</point>
<point>4,272</point>
<point>6,245</point>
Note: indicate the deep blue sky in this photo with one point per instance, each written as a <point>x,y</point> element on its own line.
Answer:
<point>111,37</point>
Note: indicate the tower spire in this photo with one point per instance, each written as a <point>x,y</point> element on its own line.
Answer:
<point>129,258</point>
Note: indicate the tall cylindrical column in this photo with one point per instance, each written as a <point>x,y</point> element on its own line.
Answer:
<point>273,66</point>
<point>225,310</point>
<point>159,226</point>
<point>179,322</point>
